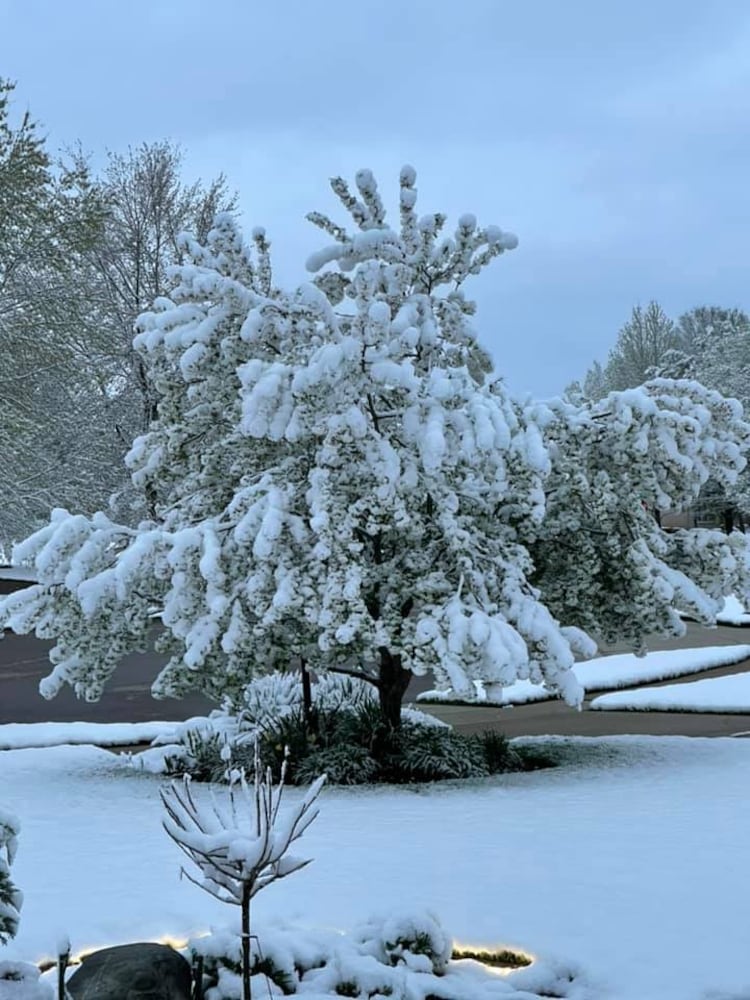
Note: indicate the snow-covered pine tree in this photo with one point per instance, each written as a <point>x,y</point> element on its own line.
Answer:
<point>337,475</point>
<point>715,350</point>
<point>10,896</point>
<point>600,557</point>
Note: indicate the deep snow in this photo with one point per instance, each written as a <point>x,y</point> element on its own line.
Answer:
<point>630,861</point>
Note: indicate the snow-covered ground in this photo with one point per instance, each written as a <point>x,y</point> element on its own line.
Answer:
<point>712,694</point>
<point>608,673</point>
<point>629,861</point>
<point>19,735</point>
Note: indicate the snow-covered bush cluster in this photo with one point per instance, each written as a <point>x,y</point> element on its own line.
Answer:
<point>401,956</point>
<point>343,735</point>
<point>10,897</point>
<point>337,475</point>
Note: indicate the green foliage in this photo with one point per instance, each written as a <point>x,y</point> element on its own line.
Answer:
<point>498,754</point>
<point>354,746</point>
<point>351,988</point>
<point>201,758</point>
<point>213,964</point>
<point>344,765</point>
<point>337,741</point>
<point>416,944</point>
<point>503,959</point>
<point>347,988</point>
<point>421,753</point>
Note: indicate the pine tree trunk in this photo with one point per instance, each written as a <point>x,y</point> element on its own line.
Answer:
<point>306,693</point>
<point>393,680</point>
<point>728,520</point>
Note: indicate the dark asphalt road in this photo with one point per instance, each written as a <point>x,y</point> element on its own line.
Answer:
<point>23,662</point>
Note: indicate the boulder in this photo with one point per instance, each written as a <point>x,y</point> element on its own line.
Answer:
<point>132,972</point>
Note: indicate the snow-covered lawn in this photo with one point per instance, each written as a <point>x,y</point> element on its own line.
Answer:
<point>629,861</point>
<point>608,673</point>
<point>712,694</point>
<point>19,735</point>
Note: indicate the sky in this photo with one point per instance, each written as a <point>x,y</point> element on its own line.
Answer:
<point>612,138</point>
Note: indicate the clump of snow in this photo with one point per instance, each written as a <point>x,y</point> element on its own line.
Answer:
<point>733,612</point>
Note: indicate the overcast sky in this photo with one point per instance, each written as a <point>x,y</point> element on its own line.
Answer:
<point>612,137</point>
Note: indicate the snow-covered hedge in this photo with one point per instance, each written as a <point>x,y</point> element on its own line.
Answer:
<point>343,737</point>
<point>401,956</point>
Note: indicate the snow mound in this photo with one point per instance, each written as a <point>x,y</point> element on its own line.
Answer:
<point>712,694</point>
<point>21,735</point>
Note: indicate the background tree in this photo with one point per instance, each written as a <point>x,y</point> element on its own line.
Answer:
<point>94,253</point>
<point>715,351</point>
<point>334,473</point>
<point>641,346</point>
<point>148,206</point>
<point>49,216</point>
<point>601,561</point>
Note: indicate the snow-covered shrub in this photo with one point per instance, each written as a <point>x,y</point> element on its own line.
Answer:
<point>403,956</point>
<point>20,981</point>
<point>269,697</point>
<point>220,957</point>
<point>345,764</point>
<point>416,940</point>
<point>241,846</point>
<point>266,699</point>
<point>10,897</point>
<point>335,691</point>
<point>352,746</point>
<point>336,737</point>
<point>344,736</point>
<point>499,756</point>
<point>201,754</point>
